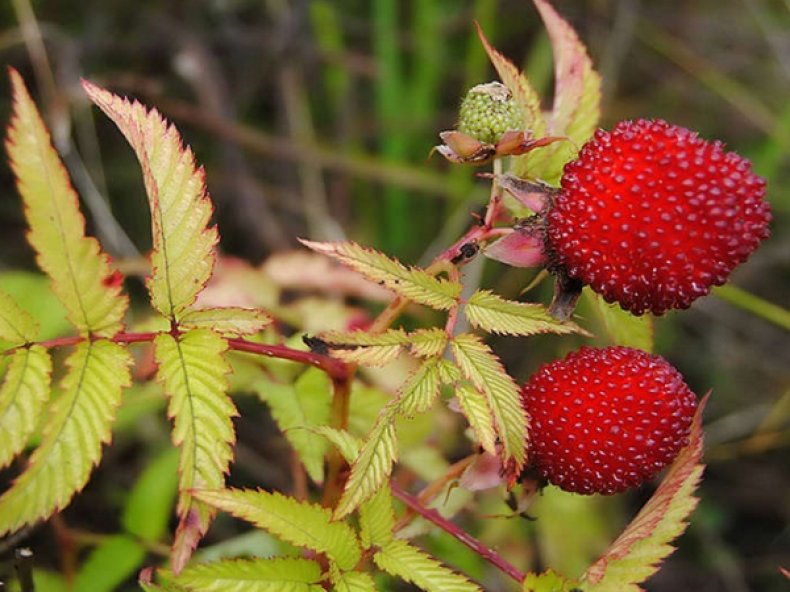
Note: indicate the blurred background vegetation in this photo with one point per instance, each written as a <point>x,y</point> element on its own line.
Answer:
<point>316,118</point>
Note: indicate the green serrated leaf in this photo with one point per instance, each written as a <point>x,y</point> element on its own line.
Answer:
<point>475,406</point>
<point>377,519</point>
<point>280,574</point>
<point>80,272</point>
<point>420,389</point>
<point>110,564</point>
<point>346,444</point>
<point>577,100</point>
<point>548,581</point>
<point>645,542</point>
<point>300,523</point>
<point>413,565</point>
<point>620,326</point>
<point>183,245</point>
<point>372,468</point>
<point>229,320</point>
<point>483,369</point>
<point>428,343</point>
<point>192,370</point>
<point>352,581</point>
<point>380,451</point>
<point>23,394</point>
<point>412,283</point>
<point>78,424</point>
<point>369,349</point>
<point>485,310</point>
<point>299,408</point>
<point>150,503</point>
<point>16,325</point>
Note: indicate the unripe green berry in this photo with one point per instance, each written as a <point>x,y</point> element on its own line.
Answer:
<point>488,111</point>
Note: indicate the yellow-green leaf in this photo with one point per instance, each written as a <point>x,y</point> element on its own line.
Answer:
<point>485,310</point>
<point>278,574</point>
<point>412,283</point>
<point>377,519</point>
<point>16,325</point>
<point>78,424</point>
<point>577,100</point>
<point>299,408</point>
<point>620,326</point>
<point>299,523</point>
<point>483,369</point>
<point>192,370</point>
<point>522,91</point>
<point>548,581</point>
<point>369,349</point>
<point>23,394</point>
<point>230,320</point>
<point>475,406</point>
<point>183,245</point>
<point>645,542</point>
<point>373,465</point>
<point>399,558</point>
<point>80,272</point>
<point>428,343</point>
<point>421,389</point>
<point>352,581</point>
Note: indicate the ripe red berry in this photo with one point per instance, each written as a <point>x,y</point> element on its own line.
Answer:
<point>651,216</point>
<point>606,420</point>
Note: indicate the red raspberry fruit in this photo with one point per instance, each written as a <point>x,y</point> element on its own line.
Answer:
<point>606,420</point>
<point>651,216</point>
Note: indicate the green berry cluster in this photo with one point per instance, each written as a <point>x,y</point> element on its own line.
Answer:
<point>488,111</point>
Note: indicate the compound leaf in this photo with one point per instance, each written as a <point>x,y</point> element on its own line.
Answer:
<point>399,558</point>
<point>78,424</point>
<point>410,282</point>
<point>485,310</point>
<point>183,245</point>
<point>23,394</point>
<point>374,463</point>
<point>645,542</point>
<point>281,574</point>
<point>299,523</point>
<point>80,272</point>
<point>192,371</point>
<point>483,369</point>
<point>230,320</point>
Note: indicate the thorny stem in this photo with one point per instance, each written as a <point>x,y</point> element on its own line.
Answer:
<point>341,397</point>
<point>458,533</point>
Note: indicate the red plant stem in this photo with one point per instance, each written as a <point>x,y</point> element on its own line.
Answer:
<point>458,533</point>
<point>336,369</point>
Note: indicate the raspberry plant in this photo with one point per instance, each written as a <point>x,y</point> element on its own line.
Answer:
<point>600,421</point>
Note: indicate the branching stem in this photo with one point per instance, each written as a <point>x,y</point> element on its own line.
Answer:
<point>458,533</point>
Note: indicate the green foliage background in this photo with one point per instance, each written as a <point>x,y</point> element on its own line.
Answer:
<point>315,118</point>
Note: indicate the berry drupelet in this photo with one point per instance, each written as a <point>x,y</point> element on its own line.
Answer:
<point>651,216</point>
<point>606,420</point>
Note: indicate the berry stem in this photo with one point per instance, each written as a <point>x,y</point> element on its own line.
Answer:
<point>458,533</point>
